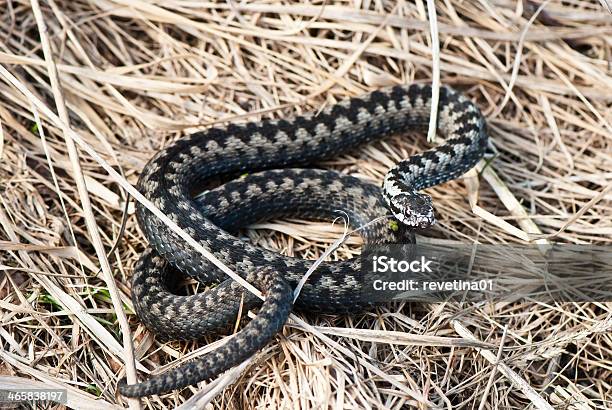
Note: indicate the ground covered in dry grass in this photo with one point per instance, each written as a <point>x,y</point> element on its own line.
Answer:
<point>134,75</point>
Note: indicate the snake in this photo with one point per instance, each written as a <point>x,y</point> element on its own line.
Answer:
<point>214,182</point>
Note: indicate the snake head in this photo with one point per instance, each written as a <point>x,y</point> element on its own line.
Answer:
<point>415,210</point>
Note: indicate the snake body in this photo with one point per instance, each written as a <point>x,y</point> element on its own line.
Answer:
<point>265,150</point>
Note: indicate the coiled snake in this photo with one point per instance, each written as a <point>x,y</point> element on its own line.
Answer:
<point>173,177</point>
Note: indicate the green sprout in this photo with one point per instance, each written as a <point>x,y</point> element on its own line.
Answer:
<point>393,225</point>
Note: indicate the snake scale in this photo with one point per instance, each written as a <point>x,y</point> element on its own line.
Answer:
<point>270,152</point>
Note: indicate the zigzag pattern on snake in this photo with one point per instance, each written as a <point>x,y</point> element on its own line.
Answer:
<point>265,150</point>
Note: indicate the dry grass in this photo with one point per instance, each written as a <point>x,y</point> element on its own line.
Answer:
<point>133,76</point>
